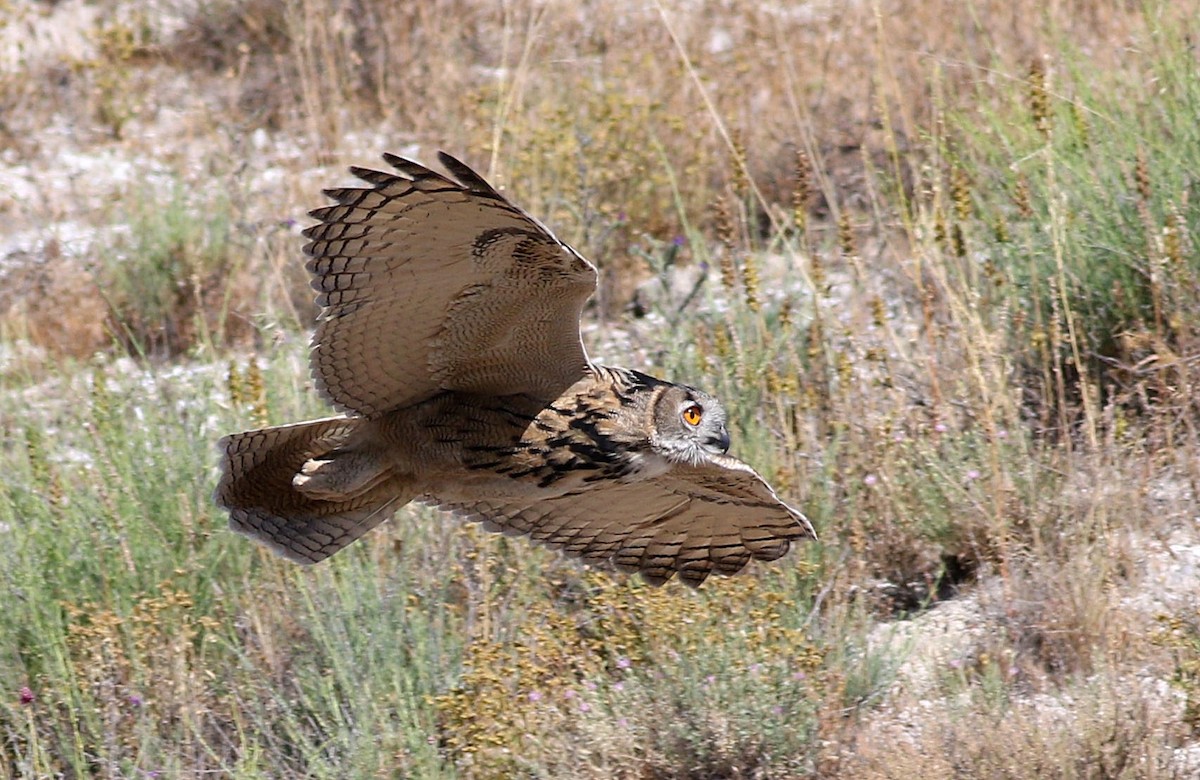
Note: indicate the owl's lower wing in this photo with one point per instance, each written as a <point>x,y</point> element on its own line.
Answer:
<point>429,284</point>
<point>693,520</point>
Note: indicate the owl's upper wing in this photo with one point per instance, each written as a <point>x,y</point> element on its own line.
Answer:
<point>428,284</point>
<point>694,520</point>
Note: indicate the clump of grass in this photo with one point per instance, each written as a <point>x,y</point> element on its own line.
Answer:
<point>609,674</point>
<point>1180,634</point>
<point>595,165</point>
<point>1087,184</point>
<point>170,281</point>
<point>241,40</point>
<point>1097,731</point>
<point>222,36</point>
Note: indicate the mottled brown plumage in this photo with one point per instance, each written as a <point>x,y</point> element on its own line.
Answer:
<point>449,338</point>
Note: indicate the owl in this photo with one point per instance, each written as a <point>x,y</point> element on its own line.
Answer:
<point>449,342</point>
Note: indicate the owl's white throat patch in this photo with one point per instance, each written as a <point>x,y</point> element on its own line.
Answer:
<point>646,465</point>
<point>676,451</point>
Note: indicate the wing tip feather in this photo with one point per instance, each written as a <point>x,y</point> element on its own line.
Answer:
<point>466,176</point>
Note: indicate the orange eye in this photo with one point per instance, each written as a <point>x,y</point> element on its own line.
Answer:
<point>692,415</point>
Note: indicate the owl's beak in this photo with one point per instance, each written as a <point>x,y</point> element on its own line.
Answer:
<point>720,442</point>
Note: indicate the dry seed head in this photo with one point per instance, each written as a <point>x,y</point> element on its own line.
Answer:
<point>721,342</point>
<point>816,338</point>
<point>1080,124</point>
<point>773,381</point>
<point>816,271</point>
<point>806,401</point>
<point>1000,230</point>
<point>846,235</point>
<point>750,282</point>
<point>725,234</point>
<point>1039,97</point>
<point>723,221</point>
<point>1141,175</point>
<point>1021,198</point>
<point>728,270</point>
<point>786,314</point>
<point>741,184</point>
<point>803,190</point>
<point>789,384</point>
<point>845,368</point>
<point>939,228</point>
<point>256,393</point>
<point>878,311</point>
<point>236,385</point>
<point>960,193</point>
<point>992,272</point>
<point>958,240</point>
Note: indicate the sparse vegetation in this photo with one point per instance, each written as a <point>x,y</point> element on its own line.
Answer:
<point>942,267</point>
<point>170,284</point>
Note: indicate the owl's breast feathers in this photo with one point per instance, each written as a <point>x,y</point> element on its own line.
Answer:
<point>595,431</point>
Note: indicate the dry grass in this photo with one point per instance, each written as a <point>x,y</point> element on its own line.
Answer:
<point>942,278</point>
<point>1107,730</point>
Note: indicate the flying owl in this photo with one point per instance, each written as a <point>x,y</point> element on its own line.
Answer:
<point>449,341</point>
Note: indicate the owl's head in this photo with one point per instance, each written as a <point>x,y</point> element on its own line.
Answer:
<point>689,425</point>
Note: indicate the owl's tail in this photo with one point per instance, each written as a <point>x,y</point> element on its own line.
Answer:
<point>306,490</point>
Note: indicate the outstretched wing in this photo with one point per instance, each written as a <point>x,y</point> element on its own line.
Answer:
<point>694,520</point>
<point>429,284</point>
